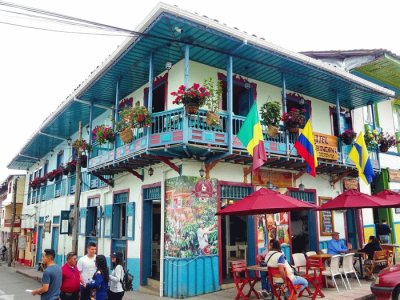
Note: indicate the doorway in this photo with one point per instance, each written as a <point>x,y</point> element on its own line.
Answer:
<point>54,243</point>
<point>151,234</point>
<point>39,243</point>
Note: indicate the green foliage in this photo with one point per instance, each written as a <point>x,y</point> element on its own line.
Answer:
<point>271,113</point>
<point>136,116</point>
<point>215,92</point>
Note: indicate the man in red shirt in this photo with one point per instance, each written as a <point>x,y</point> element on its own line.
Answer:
<point>70,286</point>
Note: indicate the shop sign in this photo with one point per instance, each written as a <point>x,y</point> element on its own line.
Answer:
<point>326,223</point>
<point>394,175</point>
<point>279,179</point>
<point>350,184</point>
<point>47,226</point>
<point>326,146</point>
<point>203,189</point>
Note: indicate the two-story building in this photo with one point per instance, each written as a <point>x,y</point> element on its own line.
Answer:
<point>12,191</point>
<point>155,196</point>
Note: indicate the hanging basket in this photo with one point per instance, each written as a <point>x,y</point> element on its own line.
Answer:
<point>212,118</point>
<point>192,108</point>
<point>84,161</point>
<point>272,131</point>
<point>140,118</point>
<point>66,171</point>
<point>126,135</point>
<point>293,129</point>
<point>347,141</point>
<point>383,148</point>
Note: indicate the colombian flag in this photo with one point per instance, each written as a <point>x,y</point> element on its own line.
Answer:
<point>252,138</point>
<point>359,155</point>
<point>305,147</point>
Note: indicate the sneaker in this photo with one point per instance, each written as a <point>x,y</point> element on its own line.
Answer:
<point>264,294</point>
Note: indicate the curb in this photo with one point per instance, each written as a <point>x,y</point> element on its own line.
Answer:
<point>37,278</point>
<point>367,297</point>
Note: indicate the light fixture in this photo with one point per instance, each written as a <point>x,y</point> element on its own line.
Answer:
<point>178,30</point>
<point>301,187</point>
<point>168,65</point>
<point>51,152</point>
<point>270,186</point>
<point>201,172</point>
<point>69,141</point>
<point>247,85</point>
<point>347,114</point>
<point>302,100</point>
<point>150,171</point>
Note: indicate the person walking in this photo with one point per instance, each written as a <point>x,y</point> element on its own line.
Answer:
<point>87,268</point>
<point>383,231</point>
<point>52,277</point>
<point>100,279</point>
<point>70,286</point>
<point>116,292</point>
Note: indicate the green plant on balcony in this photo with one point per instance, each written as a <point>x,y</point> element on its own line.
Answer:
<point>192,98</point>
<point>271,115</point>
<point>103,134</point>
<point>82,145</point>
<point>132,117</point>
<point>212,101</point>
<point>371,138</point>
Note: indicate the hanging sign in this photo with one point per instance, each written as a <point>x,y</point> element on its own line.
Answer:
<point>65,227</point>
<point>326,145</point>
<point>278,179</point>
<point>203,189</point>
<point>350,184</point>
<point>394,175</point>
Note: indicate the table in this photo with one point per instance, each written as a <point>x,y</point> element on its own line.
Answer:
<point>391,247</point>
<point>323,256</point>
<point>257,268</point>
<point>317,261</point>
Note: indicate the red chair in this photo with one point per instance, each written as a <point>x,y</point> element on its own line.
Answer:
<point>277,281</point>
<point>242,278</point>
<point>314,268</point>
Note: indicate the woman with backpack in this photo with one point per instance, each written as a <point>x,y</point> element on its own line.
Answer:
<point>116,291</point>
<point>100,278</point>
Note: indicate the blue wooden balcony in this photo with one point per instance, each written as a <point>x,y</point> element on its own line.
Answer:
<point>172,135</point>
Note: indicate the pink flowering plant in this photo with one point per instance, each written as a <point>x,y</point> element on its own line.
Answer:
<point>295,118</point>
<point>195,95</point>
<point>348,136</point>
<point>103,134</point>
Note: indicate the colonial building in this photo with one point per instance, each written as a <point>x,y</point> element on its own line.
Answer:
<point>152,191</point>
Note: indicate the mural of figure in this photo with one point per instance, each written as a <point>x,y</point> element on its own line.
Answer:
<point>202,237</point>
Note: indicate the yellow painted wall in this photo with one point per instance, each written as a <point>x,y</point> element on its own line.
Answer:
<point>368,231</point>
<point>396,233</point>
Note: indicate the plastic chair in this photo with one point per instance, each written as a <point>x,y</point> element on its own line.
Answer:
<point>300,262</point>
<point>333,271</point>
<point>309,253</point>
<point>348,268</point>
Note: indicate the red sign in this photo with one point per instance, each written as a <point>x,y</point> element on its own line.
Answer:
<point>203,189</point>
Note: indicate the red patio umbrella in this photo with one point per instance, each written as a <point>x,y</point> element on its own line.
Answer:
<point>354,199</point>
<point>264,201</point>
<point>389,195</point>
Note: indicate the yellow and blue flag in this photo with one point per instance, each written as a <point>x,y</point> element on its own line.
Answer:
<point>305,147</point>
<point>359,155</point>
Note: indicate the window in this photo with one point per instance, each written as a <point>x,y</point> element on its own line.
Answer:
<point>367,114</point>
<point>93,214</point>
<point>298,101</point>
<point>123,216</point>
<point>160,94</point>
<point>60,158</point>
<point>345,123</point>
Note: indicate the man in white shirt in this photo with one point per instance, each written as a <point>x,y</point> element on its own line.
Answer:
<point>202,236</point>
<point>87,267</point>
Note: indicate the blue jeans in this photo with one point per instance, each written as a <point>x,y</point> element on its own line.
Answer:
<point>298,280</point>
<point>384,239</point>
<point>265,285</point>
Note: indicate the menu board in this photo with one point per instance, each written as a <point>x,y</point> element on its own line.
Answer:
<point>325,218</point>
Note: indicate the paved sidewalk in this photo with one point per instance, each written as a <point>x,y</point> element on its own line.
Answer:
<point>356,292</point>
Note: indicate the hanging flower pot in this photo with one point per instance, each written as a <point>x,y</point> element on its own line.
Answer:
<point>192,98</point>
<point>84,161</point>
<point>140,118</point>
<point>383,148</point>
<point>126,135</point>
<point>273,131</point>
<point>65,171</point>
<point>192,108</point>
<point>212,118</point>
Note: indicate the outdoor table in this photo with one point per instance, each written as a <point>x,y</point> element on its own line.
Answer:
<point>391,247</point>
<point>359,255</point>
<point>257,268</point>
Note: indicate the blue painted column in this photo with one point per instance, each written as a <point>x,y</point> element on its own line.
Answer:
<point>186,83</point>
<point>150,95</point>
<point>284,109</point>
<point>338,124</point>
<point>229,96</point>
<point>116,115</point>
<point>90,125</point>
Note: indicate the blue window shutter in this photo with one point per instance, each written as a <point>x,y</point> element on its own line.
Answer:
<point>107,220</point>
<point>82,221</point>
<point>99,209</point>
<point>130,220</point>
<point>115,223</point>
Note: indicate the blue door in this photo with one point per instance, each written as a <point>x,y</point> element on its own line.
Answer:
<point>245,101</point>
<point>146,241</point>
<point>39,245</point>
<point>351,228</point>
<point>54,244</point>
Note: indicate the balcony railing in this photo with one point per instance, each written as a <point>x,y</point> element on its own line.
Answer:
<point>168,128</point>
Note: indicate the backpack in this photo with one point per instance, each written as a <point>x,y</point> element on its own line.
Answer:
<point>127,281</point>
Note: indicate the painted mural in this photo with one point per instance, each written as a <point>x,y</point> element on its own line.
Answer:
<point>273,226</point>
<point>190,220</point>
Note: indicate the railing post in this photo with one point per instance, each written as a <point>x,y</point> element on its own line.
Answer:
<point>373,128</point>
<point>229,97</point>
<point>338,124</point>
<point>90,127</point>
<point>150,96</point>
<point>186,83</point>
<point>116,116</point>
<point>284,109</point>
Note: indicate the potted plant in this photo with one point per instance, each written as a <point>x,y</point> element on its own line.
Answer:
<point>103,134</point>
<point>82,145</point>
<point>212,101</point>
<point>192,98</point>
<point>38,181</point>
<point>271,115</point>
<point>386,141</point>
<point>348,136</point>
<point>55,173</point>
<point>71,166</point>
<point>371,138</point>
<point>294,119</point>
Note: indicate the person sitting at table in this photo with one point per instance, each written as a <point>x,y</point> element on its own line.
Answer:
<point>372,246</point>
<point>335,245</point>
<point>276,259</point>
<point>265,292</point>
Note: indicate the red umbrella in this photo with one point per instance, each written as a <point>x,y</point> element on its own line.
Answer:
<point>354,199</point>
<point>264,201</point>
<point>389,195</point>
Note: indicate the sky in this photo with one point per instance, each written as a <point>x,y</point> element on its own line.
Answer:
<point>39,69</point>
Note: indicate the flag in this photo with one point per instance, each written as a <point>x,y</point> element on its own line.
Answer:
<point>305,147</point>
<point>359,155</point>
<point>252,138</point>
